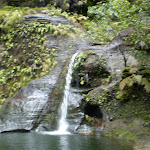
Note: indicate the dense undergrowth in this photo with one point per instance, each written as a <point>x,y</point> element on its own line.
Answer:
<point>115,15</point>
<point>24,56</point>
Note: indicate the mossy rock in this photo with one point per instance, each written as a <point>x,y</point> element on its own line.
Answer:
<point>89,69</point>
<point>125,109</point>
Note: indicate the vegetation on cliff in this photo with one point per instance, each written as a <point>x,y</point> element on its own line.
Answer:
<point>107,20</point>
<point>23,52</point>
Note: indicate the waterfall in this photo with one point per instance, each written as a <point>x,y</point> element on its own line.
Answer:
<point>63,125</point>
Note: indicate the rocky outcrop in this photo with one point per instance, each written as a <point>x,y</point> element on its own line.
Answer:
<point>32,104</point>
<point>89,68</point>
<point>35,107</point>
<point>40,99</point>
<point>44,17</point>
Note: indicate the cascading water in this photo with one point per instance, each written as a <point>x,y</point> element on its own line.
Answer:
<point>63,125</point>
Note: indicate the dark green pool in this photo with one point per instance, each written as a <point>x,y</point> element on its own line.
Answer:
<point>34,141</point>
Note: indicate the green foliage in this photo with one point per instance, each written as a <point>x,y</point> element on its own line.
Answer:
<point>89,119</point>
<point>137,76</point>
<point>25,56</point>
<point>136,105</point>
<point>80,60</point>
<point>122,133</point>
<point>31,3</point>
<point>112,17</point>
<point>22,62</point>
<point>143,57</point>
<point>9,20</point>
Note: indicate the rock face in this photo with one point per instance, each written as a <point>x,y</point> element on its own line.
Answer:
<point>22,111</point>
<point>89,68</point>
<point>44,17</point>
<point>35,107</point>
<point>32,104</point>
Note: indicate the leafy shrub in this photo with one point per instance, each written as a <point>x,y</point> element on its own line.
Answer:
<point>132,76</point>
<point>120,14</point>
<point>9,19</point>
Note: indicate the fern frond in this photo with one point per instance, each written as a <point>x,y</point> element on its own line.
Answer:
<point>134,70</point>
<point>145,71</point>
<point>125,69</point>
<point>146,84</point>
<point>138,78</point>
<point>125,82</point>
<point>131,82</point>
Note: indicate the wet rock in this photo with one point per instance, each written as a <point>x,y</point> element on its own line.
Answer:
<point>84,129</point>
<point>75,114</point>
<point>124,34</point>
<point>91,63</point>
<point>44,17</point>
<point>132,61</point>
<point>35,106</point>
<point>22,111</point>
<point>88,69</point>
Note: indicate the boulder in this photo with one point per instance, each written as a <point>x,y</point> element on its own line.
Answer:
<point>89,68</point>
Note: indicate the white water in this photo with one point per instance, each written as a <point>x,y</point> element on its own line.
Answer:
<point>63,125</point>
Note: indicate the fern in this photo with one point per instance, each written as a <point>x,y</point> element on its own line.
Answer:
<point>145,71</point>
<point>124,82</point>
<point>131,80</point>
<point>133,70</point>
<point>146,84</point>
<point>134,75</point>
<point>137,78</point>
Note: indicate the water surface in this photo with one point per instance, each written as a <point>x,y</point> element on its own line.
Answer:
<point>34,141</point>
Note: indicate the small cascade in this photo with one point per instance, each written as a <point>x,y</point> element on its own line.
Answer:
<point>63,125</point>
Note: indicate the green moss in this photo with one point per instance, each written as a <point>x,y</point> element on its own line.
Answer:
<point>135,106</point>
<point>121,133</point>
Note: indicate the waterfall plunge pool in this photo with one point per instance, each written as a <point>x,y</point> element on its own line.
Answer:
<point>60,139</point>
<point>35,141</point>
